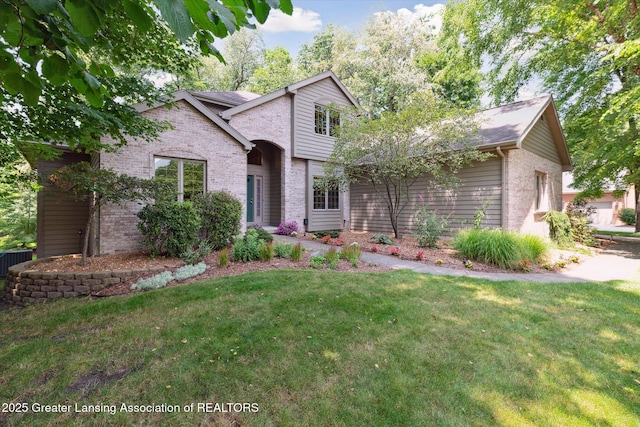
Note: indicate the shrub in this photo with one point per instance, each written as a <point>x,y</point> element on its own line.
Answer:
<point>332,256</point>
<point>559,227</point>
<point>334,234</point>
<point>628,216</point>
<point>286,228</point>
<point>189,271</point>
<point>283,250</point>
<point>169,228</point>
<point>195,255</point>
<point>581,231</point>
<point>220,214</point>
<point>266,252</point>
<point>429,227</point>
<point>247,248</point>
<point>296,252</point>
<point>317,261</point>
<point>262,233</point>
<point>419,256</point>
<point>532,247</point>
<point>500,247</point>
<point>155,282</point>
<point>339,242</point>
<point>351,253</point>
<point>383,239</point>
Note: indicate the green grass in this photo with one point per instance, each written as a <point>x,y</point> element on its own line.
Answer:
<point>334,349</point>
<point>617,233</point>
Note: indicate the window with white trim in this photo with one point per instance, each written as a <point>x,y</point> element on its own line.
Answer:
<point>187,176</point>
<point>325,197</point>
<point>327,120</point>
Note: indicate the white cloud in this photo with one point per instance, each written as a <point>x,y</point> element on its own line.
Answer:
<point>431,14</point>
<point>304,21</point>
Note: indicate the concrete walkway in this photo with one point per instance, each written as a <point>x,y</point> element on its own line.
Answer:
<point>621,261</point>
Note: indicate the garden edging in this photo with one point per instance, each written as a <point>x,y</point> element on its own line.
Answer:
<point>24,285</point>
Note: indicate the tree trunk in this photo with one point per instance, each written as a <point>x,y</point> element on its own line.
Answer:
<point>637,193</point>
<point>87,230</point>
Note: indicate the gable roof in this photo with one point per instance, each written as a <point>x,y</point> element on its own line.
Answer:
<point>291,89</point>
<point>226,99</point>
<point>508,125</point>
<point>183,95</point>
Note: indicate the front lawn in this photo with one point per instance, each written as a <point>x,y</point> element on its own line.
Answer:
<point>617,233</point>
<point>329,348</point>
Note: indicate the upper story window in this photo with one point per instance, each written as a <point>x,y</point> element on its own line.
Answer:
<point>187,176</point>
<point>326,120</point>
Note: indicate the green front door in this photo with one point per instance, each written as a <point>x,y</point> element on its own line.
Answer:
<point>250,190</point>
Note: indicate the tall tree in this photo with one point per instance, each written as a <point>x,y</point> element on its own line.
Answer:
<point>587,54</point>
<point>61,61</point>
<point>331,49</point>
<point>277,72</point>
<point>427,137</point>
<point>385,64</point>
<point>243,52</point>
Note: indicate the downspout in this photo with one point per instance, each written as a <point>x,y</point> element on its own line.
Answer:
<point>503,208</point>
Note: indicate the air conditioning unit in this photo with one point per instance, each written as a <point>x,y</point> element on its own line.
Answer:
<point>10,258</point>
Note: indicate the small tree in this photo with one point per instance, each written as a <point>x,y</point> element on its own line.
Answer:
<point>427,138</point>
<point>101,186</point>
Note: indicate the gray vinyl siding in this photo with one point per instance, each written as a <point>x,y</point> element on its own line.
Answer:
<point>480,183</point>
<point>321,219</point>
<point>60,218</point>
<point>540,141</point>
<point>307,143</point>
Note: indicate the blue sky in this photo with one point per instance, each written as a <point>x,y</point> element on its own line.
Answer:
<point>312,16</point>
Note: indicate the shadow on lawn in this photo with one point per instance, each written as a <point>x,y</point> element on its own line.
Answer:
<point>570,351</point>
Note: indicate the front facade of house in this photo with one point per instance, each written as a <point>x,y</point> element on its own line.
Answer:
<point>265,150</point>
<point>268,151</point>
<point>516,186</point>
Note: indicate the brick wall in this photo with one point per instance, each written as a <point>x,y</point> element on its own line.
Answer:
<point>272,122</point>
<point>194,137</point>
<point>295,187</point>
<point>522,166</point>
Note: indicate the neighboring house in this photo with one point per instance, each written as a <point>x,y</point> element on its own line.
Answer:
<point>268,150</point>
<point>265,150</point>
<point>518,184</point>
<point>607,206</point>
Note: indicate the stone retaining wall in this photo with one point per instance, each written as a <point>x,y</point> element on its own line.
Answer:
<point>24,285</point>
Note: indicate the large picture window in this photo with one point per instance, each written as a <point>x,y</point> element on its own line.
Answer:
<point>326,120</point>
<point>325,198</point>
<point>186,176</point>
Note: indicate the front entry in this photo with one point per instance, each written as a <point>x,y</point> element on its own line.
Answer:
<point>255,199</point>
